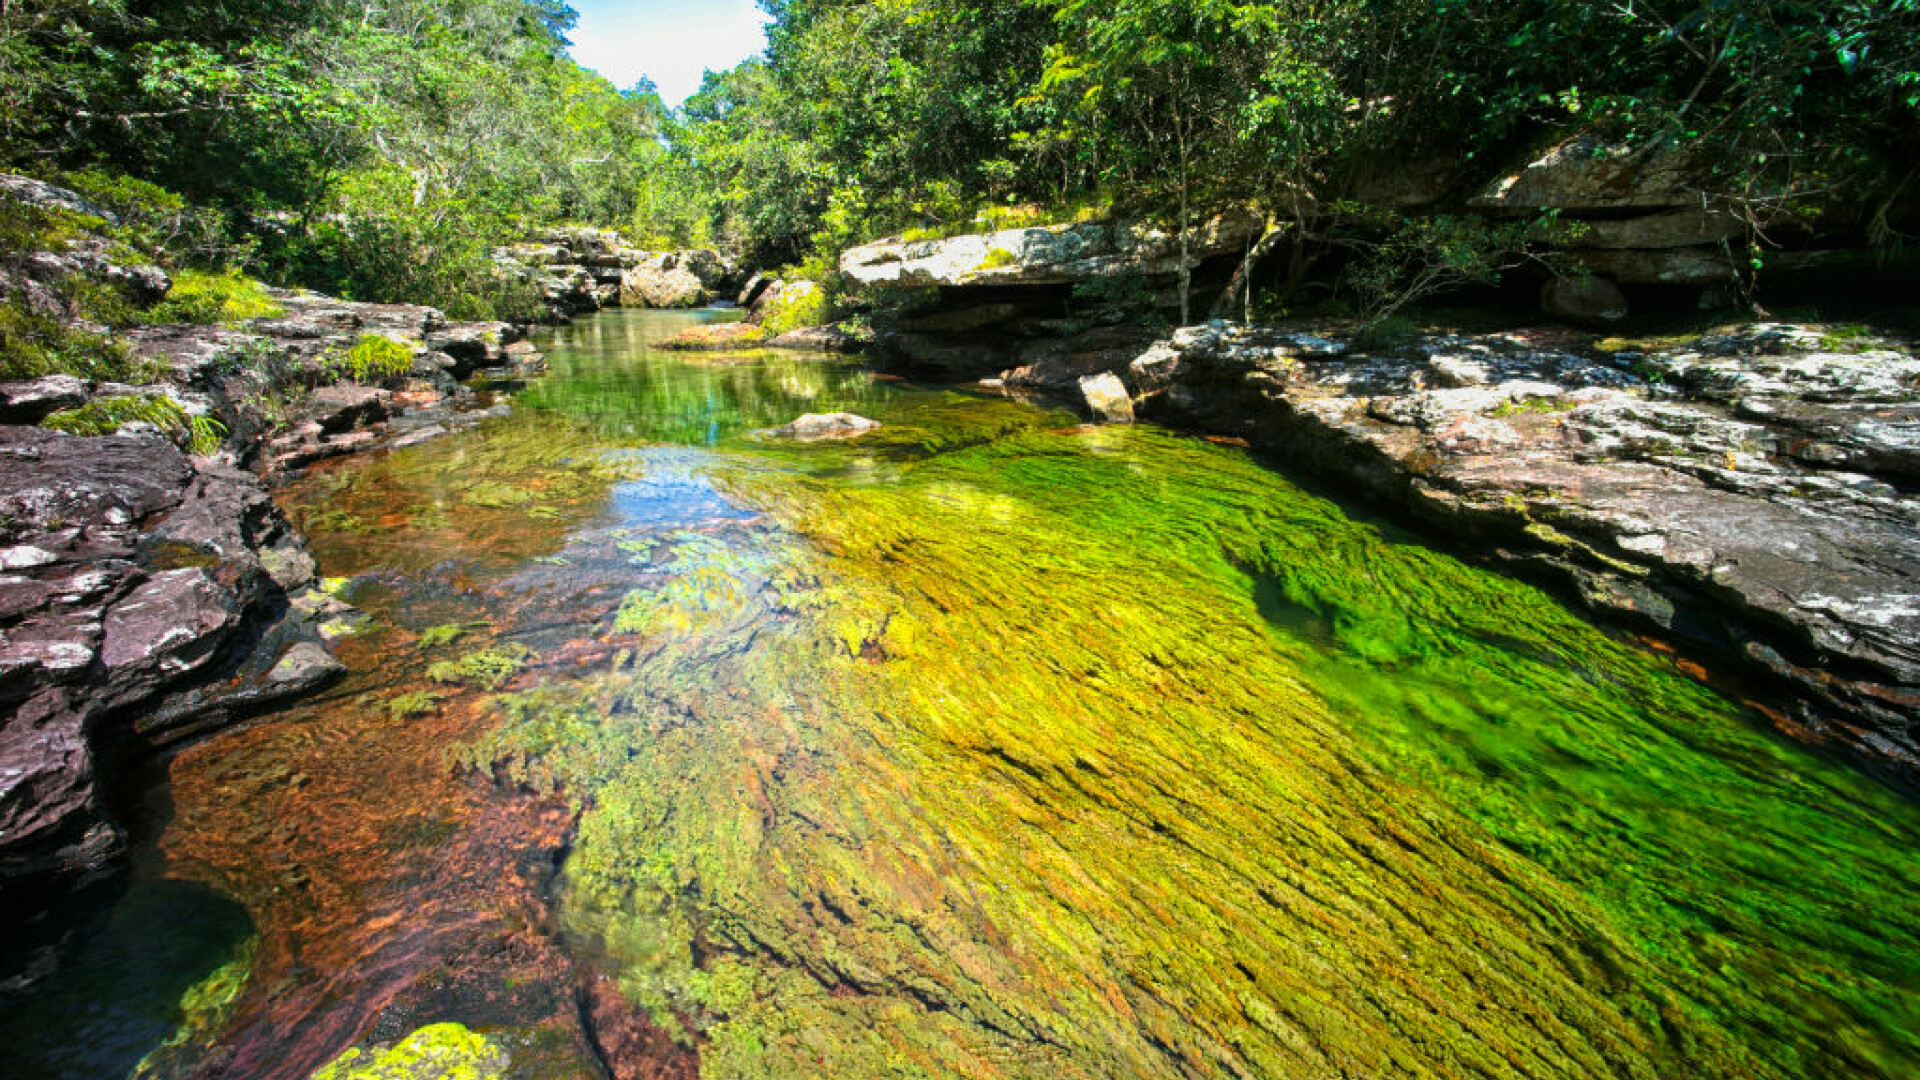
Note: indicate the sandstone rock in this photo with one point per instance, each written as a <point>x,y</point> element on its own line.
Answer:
<point>1690,227</point>
<point>1105,396</point>
<point>473,345</point>
<point>306,663</point>
<point>343,407</point>
<point>1589,299</point>
<point>815,426</point>
<point>714,337</point>
<point>34,400</point>
<point>1048,255</point>
<point>1585,174</point>
<point>1059,364</point>
<point>40,193</point>
<point>818,339</point>
<point>752,290</point>
<point>1693,267</point>
<point>662,286</point>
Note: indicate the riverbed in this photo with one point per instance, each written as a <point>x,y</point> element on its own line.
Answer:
<point>988,744</point>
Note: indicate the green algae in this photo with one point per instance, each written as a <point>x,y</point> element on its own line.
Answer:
<point>489,668</point>
<point>436,1052</point>
<point>414,704</point>
<point>1109,753</point>
<point>205,1009</point>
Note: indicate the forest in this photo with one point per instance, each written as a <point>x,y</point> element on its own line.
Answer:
<point>378,149</point>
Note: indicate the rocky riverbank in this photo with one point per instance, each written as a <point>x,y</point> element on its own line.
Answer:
<point>1747,492</point>
<point>150,590</point>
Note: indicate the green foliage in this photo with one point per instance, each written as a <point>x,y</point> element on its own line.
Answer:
<point>223,298</point>
<point>34,343</point>
<point>104,416</point>
<point>488,669</point>
<point>373,358</point>
<point>798,304</point>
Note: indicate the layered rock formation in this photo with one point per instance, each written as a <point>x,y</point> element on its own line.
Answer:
<point>144,596</point>
<point>1043,255</point>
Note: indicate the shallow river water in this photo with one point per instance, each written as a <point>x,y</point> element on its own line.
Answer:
<point>985,745</point>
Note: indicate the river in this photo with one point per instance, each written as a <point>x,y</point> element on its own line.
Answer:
<point>987,745</point>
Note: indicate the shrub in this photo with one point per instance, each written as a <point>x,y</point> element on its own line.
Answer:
<point>797,304</point>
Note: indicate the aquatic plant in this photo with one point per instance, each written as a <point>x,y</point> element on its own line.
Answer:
<point>414,704</point>
<point>489,668</point>
<point>1102,753</point>
<point>435,1052</point>
<point>436,637</point>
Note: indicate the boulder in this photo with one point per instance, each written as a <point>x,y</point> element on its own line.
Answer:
<point>1105,396</point>
<point>1589,299</point>
<point>816,426</point>
<point>1584,174</point>
<point>663,283</point>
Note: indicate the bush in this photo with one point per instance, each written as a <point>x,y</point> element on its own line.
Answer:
<point>223,298</point>
<point>796,304</point>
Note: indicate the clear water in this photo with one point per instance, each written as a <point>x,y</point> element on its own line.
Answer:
<point>993,745</point>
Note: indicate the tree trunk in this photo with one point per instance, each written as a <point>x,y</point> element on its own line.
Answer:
<point>1243,277</point>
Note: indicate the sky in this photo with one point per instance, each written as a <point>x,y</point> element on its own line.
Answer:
<point>673,42</point>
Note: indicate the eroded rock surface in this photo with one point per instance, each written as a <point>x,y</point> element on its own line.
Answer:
<point>1750,491</point>
<point>143,595</point>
